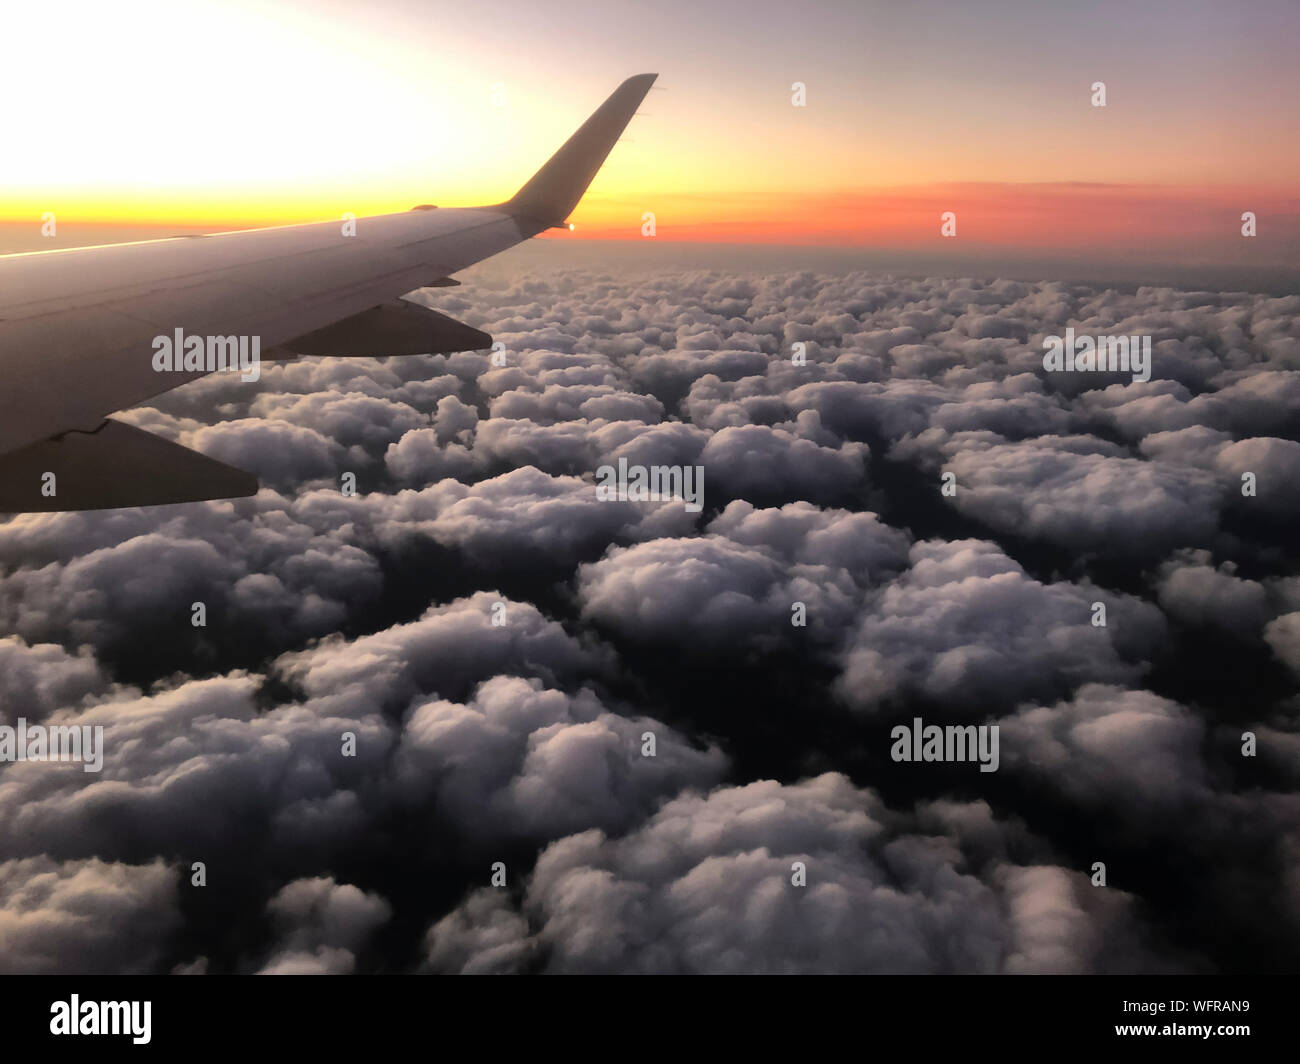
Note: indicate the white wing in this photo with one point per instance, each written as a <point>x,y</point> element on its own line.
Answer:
<point>77,327</point>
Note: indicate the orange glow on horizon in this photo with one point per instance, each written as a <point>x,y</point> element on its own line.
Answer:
<point>1047,216</point>
<point>142,123</point>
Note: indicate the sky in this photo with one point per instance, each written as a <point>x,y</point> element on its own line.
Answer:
<point>238,113</point>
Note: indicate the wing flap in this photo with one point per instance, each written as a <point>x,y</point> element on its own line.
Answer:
<point>396,328</point>
<point>116,465</point>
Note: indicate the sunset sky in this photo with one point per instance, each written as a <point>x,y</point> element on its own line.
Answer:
<point>250,113</point>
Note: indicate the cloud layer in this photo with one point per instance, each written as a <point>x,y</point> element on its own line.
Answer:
<point>473,718</point>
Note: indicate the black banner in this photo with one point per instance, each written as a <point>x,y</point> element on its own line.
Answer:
<point>1225,1015</point>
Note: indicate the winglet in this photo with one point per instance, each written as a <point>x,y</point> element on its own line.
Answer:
<point>556,188</point>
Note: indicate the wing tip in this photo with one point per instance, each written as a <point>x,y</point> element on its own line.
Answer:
<point>552,193</point>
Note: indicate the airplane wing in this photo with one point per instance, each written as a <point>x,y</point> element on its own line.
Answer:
<point>84,330</point>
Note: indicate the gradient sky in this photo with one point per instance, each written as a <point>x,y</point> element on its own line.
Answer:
<point>242,113</point>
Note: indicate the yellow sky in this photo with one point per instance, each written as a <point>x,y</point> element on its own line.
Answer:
<point>256,112</point>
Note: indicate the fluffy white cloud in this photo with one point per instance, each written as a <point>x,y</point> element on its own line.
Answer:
<point>965,625</point>
<point>708,885</point>
<point>326,616</point>
<point>321,924</point>
<point>84,917</point>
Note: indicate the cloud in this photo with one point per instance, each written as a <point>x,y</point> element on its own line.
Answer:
<point>1074,491</point>
<point>196,769</point>
<point>321,925</point>
<point>1130,748</point>
<point>265,569</point>
<point>447,651</point>
<point>707,886</point>
<point>521,760</point>
<point>84,917</point>
<point>525,517</point>
<point>498,641</point>
<point>761,463</point>
<point>739,583</point>
<point>1283,636</point>
<point>965,625</point>
<point>1195,592</point>
<point>37,680</point>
